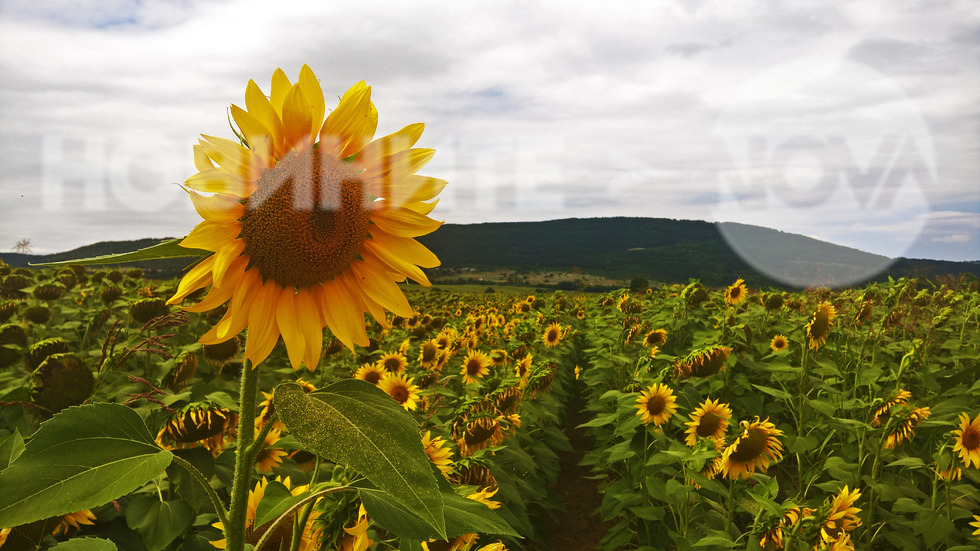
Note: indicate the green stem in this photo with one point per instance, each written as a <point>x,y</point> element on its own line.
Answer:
<point>235,529</point>
<point>199,476</point>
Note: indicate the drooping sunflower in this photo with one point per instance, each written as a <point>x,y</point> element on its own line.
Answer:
<point>474,366</point>
<point>773,537</point>
<point>736,292</point>
<point>709,420</point>
<point>270,457</point>
<point>968,440</point>
<point>552,335</point>
<point>779,343</point>
<point>656,404</point>
<point>204,424</point>
<point>401,388</point>
<point>282,537</point>
<point>841,516</point>
<point>355,537</point>
<point>906,428</point>
<point>484,495</point>
<point>371,373</point>
<point>439,454</point>
<point>702,362</point>
<point>819,327</point>
<point>311,221</point>
<point>74,520</point>
<point>755,448</point>
<point>881,414</point>
<point>657,337</point>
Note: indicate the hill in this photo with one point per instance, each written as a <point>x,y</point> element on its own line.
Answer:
<point>663,250</point>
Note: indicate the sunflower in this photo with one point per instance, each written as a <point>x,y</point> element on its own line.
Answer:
<point>709,420</point>
<point>438,453</point>
<point>779,343</point>
<point>736,292</point>
<point>976,524</point>
<point>74,520</point>
<point>474,366</point>
<point>968,440</point>
<point>772,538</point>
<point>882,413</point>
<point>202,424</point>
<point>393,362</point>
<point>753,449</point>
<point>657,337</point>
<point>284,532</point>
<point>702,362</point>
<point>371,373</point>
<point>819,327</point>
<point>429,354</point>
<point>270,457</point>
<point>311,222</point>
<point>906,429</point>
<point>401,388</point>
<point>580,314</point>
<point>484,495</point>
<point>656,404</point>
<point>552,335</point>
<point>841,516</point>
<point>355,538</point>
<point>523,367</point>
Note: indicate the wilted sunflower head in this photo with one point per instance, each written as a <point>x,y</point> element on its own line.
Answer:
<point>203,424</point>
<point>819,327</point>
<point>702,362</point>
<point>62,380</point>
<point>311,220</point>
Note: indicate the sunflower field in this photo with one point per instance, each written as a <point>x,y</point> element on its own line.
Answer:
<point>295,390</point>
<point>721,418</point>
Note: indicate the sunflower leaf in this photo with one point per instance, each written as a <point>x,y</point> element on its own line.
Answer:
<point>85,544</point>
<point>355,423</point>
<point>83,457</point>
<point>165,249</point>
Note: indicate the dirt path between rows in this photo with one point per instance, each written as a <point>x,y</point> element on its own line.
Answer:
<point>577,527</point>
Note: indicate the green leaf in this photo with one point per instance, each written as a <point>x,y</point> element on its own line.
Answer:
<point>774,392</point>
<point>463,516</point>
<point>83,457</point>
<point>158,522</point>
<point>11,448</point>
<point>716,539</point>
<point>85,544</point>
<point>275,501</point>
<point>907,462</point>
<point>356,423</point>
<point>164,249</point>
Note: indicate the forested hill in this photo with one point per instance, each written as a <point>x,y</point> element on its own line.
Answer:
<point>663,250</point>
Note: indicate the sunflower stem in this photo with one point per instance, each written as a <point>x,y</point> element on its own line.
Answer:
<point>235,529</point>
<point>219,507</point>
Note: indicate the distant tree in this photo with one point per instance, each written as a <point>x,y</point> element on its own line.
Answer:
<point>639,284</point>
<point>23,246</point>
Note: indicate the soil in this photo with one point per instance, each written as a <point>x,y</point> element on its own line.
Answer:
<point>578,527</point>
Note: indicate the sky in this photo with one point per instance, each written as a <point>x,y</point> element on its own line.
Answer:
<point>852,122</point>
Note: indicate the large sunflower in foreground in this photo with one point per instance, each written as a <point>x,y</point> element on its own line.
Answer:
<point>311,221</point>
<point>755,448</point>
<point>968,440</point>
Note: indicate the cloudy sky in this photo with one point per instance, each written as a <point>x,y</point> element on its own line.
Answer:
<point>853,122</point>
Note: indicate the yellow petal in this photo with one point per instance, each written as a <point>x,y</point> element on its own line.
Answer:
<point>224,258</point>
<point>404,189</point>
<point>216,208</point>
<point>263,332</point>
<point>403,222</point>
<point>343,318</point>
<point>259,107</point>
<point>381,290</point>
<point>219,180</point>
<point>406,248</point>
<point>402,163</point>
<point>236,318</point>
<point>376,152</point>
<point>422,208</point>
<point>232,156</point>
<point>258,137</point>
<point>309,319</point>
<point>280,87</point>
<point>296,120</point>
<point>350,127</point>
<point>314,95</point>
<point>292,333</point>
<point>201,159</point>
<point>197,277</point>
<point>394,263</point>
<point>211,236</point>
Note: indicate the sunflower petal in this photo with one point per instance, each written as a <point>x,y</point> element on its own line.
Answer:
<point>314,95</point>
<point>224,258</point>
<point>197,277</point>
<point>263,331</point>
<point>258,137</point>
<point>289,327</point>
<point>381,290</point>
<point>232,156</point>
<point>377,152</point>
<point>410,188</point>
<point>402,163</point>
<point>393,263</point>
<point>309,320</point>
<point>280,87</point>
<point>343,318</point>
<point>407,248</point>
<point>351,126</point>
<point>201,159</point>
<point>219,180</point>
<point>296,119</point>
<point>216,208</point>
<point>211,236</point>
<point>403,222</point>
<point>259,107</point>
